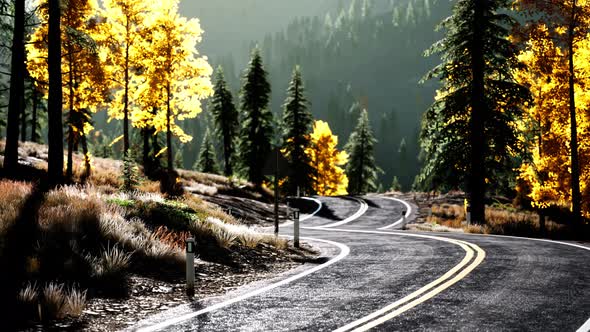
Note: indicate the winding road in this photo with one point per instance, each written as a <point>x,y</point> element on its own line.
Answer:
<point>376,277</point>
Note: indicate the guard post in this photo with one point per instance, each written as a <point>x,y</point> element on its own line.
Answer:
<point>190,266</point>
<point>404,217</point>
<point>296,227</point>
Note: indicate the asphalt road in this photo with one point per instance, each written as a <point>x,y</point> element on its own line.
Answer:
<point>387,280</point>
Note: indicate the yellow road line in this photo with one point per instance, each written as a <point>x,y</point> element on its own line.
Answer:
<point>370,323</point>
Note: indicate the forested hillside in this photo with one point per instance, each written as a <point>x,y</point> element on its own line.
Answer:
<point>367,54</point>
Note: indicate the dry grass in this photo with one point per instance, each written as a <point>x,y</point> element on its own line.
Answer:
<point>499,220</point>
<point>12,197</point>
<point>53,302</point>
<point>171,238</point>
<point>75,302</point>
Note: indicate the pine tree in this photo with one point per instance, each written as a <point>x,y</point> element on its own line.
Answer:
<point>256,132</point>
<point>469,130</point>
<point>207,162</point>
<point>395,185</point>
<point>361,168</point>
<point>297,124</point>
<point>225,116</point>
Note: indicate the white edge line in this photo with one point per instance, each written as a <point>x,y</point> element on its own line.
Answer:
<point>318,202</point>
<point>289,223</point>
<point>364,207</point>
<point>344,251</point>
<point>586,326</point>
<point>408,212</point>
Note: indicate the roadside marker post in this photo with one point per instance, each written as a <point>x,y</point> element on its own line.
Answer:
<point>190,266</point>
<point>296,227</point>
<point>404,217</point>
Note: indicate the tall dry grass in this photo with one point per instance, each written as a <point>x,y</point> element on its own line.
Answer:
<point>500,221</point>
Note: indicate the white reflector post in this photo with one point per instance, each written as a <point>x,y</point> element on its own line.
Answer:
<point>190,266</point>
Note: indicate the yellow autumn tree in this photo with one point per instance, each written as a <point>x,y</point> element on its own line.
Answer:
<point>547,126</point>
<point>329,176</point>
<point>83,78</point>
<point>176,77</point>
<point>122,52</point>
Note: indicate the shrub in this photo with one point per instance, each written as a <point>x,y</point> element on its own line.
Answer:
<point>53,302</point>
<point>75,301</point>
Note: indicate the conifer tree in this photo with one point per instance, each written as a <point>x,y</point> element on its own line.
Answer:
<point>225,116</point>
<point>395,185</point>
<point>361,168</point>
<point>256,132</point>
<point>469,130</point>
<point>207,162</point>
<point>297,124</point>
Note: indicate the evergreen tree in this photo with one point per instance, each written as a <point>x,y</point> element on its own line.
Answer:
<point>361,168</point>
<point>469,130</point>
<point>207,162</point>
<point>395,185</point>
<point>225,116</point>
<point>256,132</point>
<point>297,124</point>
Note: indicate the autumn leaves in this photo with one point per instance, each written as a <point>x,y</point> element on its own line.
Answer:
<point>136,59</point>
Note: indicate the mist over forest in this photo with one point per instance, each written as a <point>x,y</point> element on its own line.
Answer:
<point>353,55</point>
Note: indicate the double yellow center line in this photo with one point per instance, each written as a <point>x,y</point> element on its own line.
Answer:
<point>474,255</point>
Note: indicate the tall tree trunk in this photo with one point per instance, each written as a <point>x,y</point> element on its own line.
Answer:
<point>34,115</point>
<point>227,154</point>
<point>72,120</point>
<point>17,88</point>
<point>146,149</point>
<point>23,120</point>
<point>576,196</point>
<point>54,104</point>
<point>168,132</point>
<point>476,183</point>
<point>126,103</point>
<point>87,166</point>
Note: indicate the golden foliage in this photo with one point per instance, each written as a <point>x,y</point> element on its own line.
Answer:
<point>547,125</point>
<point>329,178</point>
<point>82,72</point>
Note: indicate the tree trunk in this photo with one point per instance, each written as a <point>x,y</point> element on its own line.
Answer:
<point>476,183</point>
<point>23,120</point>
<point>34,116</point>
<point>146,149</point>
<point>72,120</point>
<point>54,104</point>
<point>576,196</point>
<point>126,105</point>
<point>227,151</point>
<point>168,132</point>
<point>87,166</point>
<point>17,88</point>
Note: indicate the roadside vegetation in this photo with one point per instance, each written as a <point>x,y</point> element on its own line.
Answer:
<point>76,242</point>
<point>447,213</point>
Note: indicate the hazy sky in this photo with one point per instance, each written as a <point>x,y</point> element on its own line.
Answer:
<point>229,24</point>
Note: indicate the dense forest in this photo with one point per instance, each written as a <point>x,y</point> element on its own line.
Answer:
<point>360,54</point>
<point>394,59</point>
